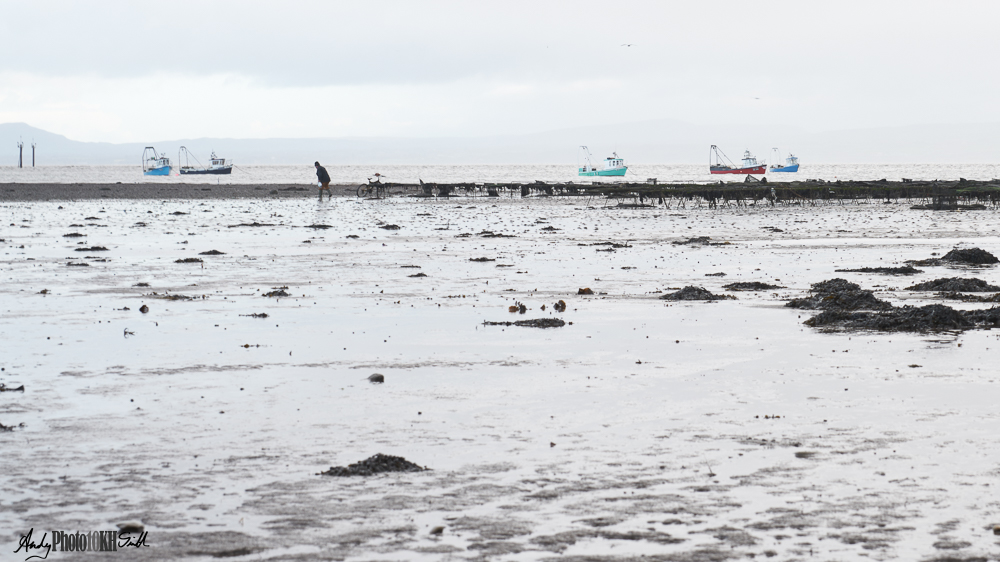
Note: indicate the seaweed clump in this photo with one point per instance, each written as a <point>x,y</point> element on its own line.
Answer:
<point>751,286</point>
<point>905,270</point>
<point>533,323</point>
<point>975,256</point>
<point>929,318</point>
<point>955,284</point>
<point>376,464</point>
<point>692,293</point>
<point>966,256</point>
<point>841,295</point>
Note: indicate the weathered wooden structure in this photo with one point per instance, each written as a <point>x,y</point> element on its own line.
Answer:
<point>961,194</point>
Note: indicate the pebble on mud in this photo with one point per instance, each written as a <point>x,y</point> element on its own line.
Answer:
<point>585,291</point>
<point>376,378</point>
<point>144,309</point>
<point>560,306</point>
<point>376,464</point>
<point>437,530</point>
<point>131,527</point>
<point>692,293</point>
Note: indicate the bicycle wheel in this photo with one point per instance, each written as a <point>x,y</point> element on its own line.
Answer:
<point>363,190</point>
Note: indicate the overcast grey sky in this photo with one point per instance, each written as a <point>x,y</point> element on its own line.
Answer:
<point>134,72</point>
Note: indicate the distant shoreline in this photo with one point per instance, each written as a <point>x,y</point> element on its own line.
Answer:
<point>20,192</point>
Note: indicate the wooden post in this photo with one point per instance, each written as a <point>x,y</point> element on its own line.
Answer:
<point>20,154</point>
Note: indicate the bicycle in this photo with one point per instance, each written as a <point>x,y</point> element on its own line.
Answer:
<point>373,189</point>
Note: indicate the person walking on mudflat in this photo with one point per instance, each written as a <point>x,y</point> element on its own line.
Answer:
<point>324,180</point>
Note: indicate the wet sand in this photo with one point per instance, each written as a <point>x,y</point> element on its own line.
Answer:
<point>670,430</point>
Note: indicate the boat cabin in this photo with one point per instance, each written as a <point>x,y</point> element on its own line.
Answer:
<point>613,162</point>
<point>749,160</point>
<point>218,162</point>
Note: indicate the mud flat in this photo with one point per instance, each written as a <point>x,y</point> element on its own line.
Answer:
<point>202,400</point>
<point>10,192</point>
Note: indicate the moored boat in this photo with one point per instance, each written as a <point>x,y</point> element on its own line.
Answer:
<point>791,163</point>
<point>217,166</point>
<point>612,165</point>
<point>718,163</point>
<point>154,164</point>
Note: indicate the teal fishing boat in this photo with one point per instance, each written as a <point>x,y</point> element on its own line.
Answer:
<point>612,165</point>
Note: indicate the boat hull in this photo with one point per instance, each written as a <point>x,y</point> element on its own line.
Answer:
<point>615,172</point>
<point>161,171</point>
<point>216,171</point>
<point>751,170</point>
<point>794,168</point>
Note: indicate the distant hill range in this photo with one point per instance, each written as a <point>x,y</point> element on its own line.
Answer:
<point>650,142</point>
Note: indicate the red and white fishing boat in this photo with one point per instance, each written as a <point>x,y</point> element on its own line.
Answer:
<point>718,163</point>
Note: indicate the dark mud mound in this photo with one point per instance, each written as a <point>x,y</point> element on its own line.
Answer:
<point>905,270</point>
<point>533,323</point>
<point>212,253</point>
<point>91,249</point>
<point>189,260</point>
<point>692,293</point>
<point>375,465</point>
<point>955,284</point>
<point>841,295</point>
<point>974,256</point>
<point>276,293</point>
<point>390,227</point>
<point>930,318</point>
<point>751,286</point>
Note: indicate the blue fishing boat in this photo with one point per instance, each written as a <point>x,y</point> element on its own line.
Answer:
<point>154,164</point>
<point>791,163</point>
<point>612,166</point>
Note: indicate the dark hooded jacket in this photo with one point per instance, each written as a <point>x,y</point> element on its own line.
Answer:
<point>322,175</point>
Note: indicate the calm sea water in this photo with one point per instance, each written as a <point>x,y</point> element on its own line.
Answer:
<point>489,173</point>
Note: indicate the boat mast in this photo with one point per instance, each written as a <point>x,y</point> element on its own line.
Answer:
<point>720,158</point>
<point>586,157</point>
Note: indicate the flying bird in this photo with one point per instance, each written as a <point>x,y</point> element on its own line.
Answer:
<point>627,44</point>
